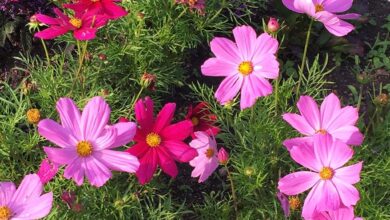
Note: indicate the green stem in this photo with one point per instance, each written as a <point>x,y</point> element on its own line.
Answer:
<point>360,97</point>
<point>304,57</point>
<point>46,52</point>
<point>135,101</point>
<point>276,95</point>
<point>83,51</point>
<point>234,196</point>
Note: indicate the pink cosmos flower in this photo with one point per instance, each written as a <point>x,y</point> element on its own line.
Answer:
<point>83,25</point>
<point>246,64</point>
<point>104,7</point>
<point>344,213</point>
<point>325,12</point>
<point>158,142</point>
<point>47,170</point>
<point>332,184</point>
<point>202,119</point>
<point>330,118</point>
<point>207,161</point>
<point>26,202</point>
<point>86,142</point>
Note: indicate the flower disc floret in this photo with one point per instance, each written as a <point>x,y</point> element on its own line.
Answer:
<point>5,213</point>
<point>245,68</point>
<point>84,148</point>
<point>326,173</point>
<point>153,139</point>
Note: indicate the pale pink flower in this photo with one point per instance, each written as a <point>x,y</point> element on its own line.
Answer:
<point>86,142</point>
<point>345,213</point>
<point>331,184</point>
<point>326,11</point>
<point>283,199</point>
<point>330,118</point>
<point>207,161</point>
<point>47,170</point>
<point>26,202</point>
<point>247,65</point>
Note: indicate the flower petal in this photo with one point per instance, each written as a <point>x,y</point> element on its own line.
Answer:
<point>330,108</point>
<point>7,190</point>
<point>330,199</point>
<point>297,182</point>
<point>267,67</point>
<point>299,123</point>
<point>75,170</point>
<point>178,131</point>
<point>61,156</point>
<point>144,113</point>
<point>29,189</point>
<point>51,32</point>
<point>228,88</point>
<point>85,33</point>
<point>148,165</point>
<point>164,117</point>
<point>253,88</point>
<point>289,143</point>
<point>304,155</point>
<point>210,167</point>
<point>265,45</point>
<point>94,118</point>
<point>139,149</point>
<point>333,24</point>
<point>312,200</point>
<point>349,174</point>
<point>245,37</point>
<point>113,10</point>
<point>36,208</point>
<point>179,150</point>
<point>46,19</point>
<point>96,172</point>
<point>349,135</point>
<point>106,139</point>
<point>348,193</point>
<point>55,133</point>
<point>225,50</point>
<point>70,116</point>
<point>218,67</point>
<point>125,133</point>
<point>346,116</point>
<point>309,110</point>
<point>117,160</point>
<point>166,163</point>
<point>337,6</point>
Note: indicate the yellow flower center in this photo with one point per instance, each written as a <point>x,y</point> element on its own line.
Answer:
<point>209,153</point>
<point>84,148</point>
<point>319,7</point>
<point>77,23</point>
<point>153,139</point>
<point>294,202</point>
<point>5,213</point>
<point>195,121</point>
<point>192,2</point>
<point>33,116</point>
<point>245,68</point>
<point>321,131</point>
<point>326,173</point>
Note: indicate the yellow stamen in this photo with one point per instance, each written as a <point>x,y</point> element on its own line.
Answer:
<point>153,139</point>
<point>84,148</point>
<point>294,202</point>
<point>77,23</point>
<point>209,153</point>
<point>195,121</point>
<point>321,131</point>
<point>33,116</point>
<point>319,7</point>
<point>326,173</point>
<point>245,68</point>
<point>5,213</point>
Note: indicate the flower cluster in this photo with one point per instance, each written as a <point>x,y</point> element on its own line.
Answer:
<point>324,151</point>
<point>87,17</point>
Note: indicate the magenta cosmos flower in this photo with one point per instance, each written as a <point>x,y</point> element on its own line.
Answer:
<point>207,160</point>
<point>83,25</point>
<point>26,202</point>
<point>86,142</point>
<point>246,64</point>
<point>104,7</point>
<point>331,183</point>
<point>330,118</point>
<point>345,213</point>
<point>325,12</point>
<point>159,142</point>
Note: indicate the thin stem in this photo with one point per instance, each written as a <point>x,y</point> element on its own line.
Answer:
<point>83,51</point>
<point>135,100</point>
<point>46,51</point>
<point>304,56</point>
<point>360,97</point>
<point>276,95</point>
<point>233,192</point>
